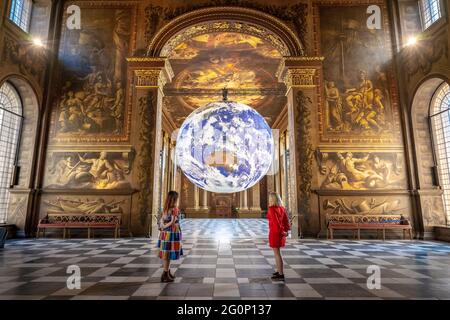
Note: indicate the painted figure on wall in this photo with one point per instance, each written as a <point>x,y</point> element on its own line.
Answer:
<point>347,171</point>
<point>357,97</point>
<point>90,170</point>
<point>92,99</point>
<point>372,206</point>
<point>87,206</point>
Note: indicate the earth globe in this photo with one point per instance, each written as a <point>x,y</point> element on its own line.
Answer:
<point>224,147</point>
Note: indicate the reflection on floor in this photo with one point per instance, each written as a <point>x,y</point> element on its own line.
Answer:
<point>224,259</point>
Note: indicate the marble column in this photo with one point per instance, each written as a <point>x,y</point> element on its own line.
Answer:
<point>243,201</point>
<point>196,198</point>
<point>256,199</point>
<point>204,200</point>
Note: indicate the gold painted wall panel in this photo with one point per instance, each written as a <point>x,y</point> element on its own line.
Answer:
<point>361,170</point>
<point>88,170</point>
<point>92,104</point>
<point>359,98</point>
<point>365,205</point>
<point>89,204</point>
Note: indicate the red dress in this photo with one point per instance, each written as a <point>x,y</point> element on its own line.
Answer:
<point>278,222</point>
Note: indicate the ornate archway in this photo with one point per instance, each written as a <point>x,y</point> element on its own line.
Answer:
<point>430,204</point>
<point>152,72</point>
<point>22,192</point>
<point>225,19</point>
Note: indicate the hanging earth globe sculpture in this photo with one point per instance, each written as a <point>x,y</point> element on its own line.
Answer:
<point>224,147</point>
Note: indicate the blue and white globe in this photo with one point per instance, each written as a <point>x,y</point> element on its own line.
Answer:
<point>224,147</point>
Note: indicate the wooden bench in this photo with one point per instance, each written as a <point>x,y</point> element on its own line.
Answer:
<point>67,221</point>
<point>357,223</point>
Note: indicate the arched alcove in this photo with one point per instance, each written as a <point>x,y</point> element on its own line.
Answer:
<point>226,19</point>
<point>428,185</point>
<point>20,193</point>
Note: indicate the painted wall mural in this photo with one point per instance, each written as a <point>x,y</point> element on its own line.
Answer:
<point>92,103</point>
<point>90,170</point>
<point>370,206</point>
<point>359,94</point>
<point>87,206</point>
<point>361,170</point>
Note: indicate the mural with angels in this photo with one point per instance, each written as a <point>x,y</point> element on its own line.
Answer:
<point>357,89</point>
<point>91,100</point>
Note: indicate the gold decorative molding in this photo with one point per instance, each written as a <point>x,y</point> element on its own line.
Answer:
<point>300,78</point>
<point>299,71</point>
<point>222,19</point>
<point>150,78</point>
<point>150,72</point>
<point>144,59</point>
<point>225,26</point>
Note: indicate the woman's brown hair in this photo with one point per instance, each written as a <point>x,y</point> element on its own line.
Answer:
<point>171,201</point>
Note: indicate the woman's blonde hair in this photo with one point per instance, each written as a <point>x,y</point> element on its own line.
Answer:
<point>275,199</point>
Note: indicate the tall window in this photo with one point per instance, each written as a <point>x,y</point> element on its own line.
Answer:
<point>10,127</point>
<point>431,12</point>
<point>20,13</point>
<point>440,121</point>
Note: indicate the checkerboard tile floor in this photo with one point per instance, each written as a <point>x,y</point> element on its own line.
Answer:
<point>224,259</point>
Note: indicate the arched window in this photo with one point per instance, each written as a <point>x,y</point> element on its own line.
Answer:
<point>10,129</point>
<point>440,123</point>
<point>430,12</point>
<point>20,13</point>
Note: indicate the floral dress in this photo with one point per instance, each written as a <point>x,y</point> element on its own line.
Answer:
<point>169,242</point>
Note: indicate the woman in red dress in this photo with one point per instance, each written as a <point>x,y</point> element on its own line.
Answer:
<point>278,231</point>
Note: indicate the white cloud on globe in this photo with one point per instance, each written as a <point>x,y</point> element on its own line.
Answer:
<point>224,147</point>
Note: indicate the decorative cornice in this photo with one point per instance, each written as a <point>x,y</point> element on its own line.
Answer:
<point>149,78</point>
<point>299,71</point>
<point>145,59</point>
<point>305,58</point>
<point>150,72</point>
<point>301,78</point>
<point>193,17</point>
<point>226,26</point>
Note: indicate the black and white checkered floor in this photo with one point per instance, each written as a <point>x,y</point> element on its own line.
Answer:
<point>224,259</point>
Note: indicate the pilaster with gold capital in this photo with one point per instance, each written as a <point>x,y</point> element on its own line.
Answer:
<point>149,77</point>
<point>300,74</point>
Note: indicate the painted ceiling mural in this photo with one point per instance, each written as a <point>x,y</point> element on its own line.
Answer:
<point>359,95</point>
<point>207,63</point>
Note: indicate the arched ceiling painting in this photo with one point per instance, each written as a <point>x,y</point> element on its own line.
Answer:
<point>205,64</point>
